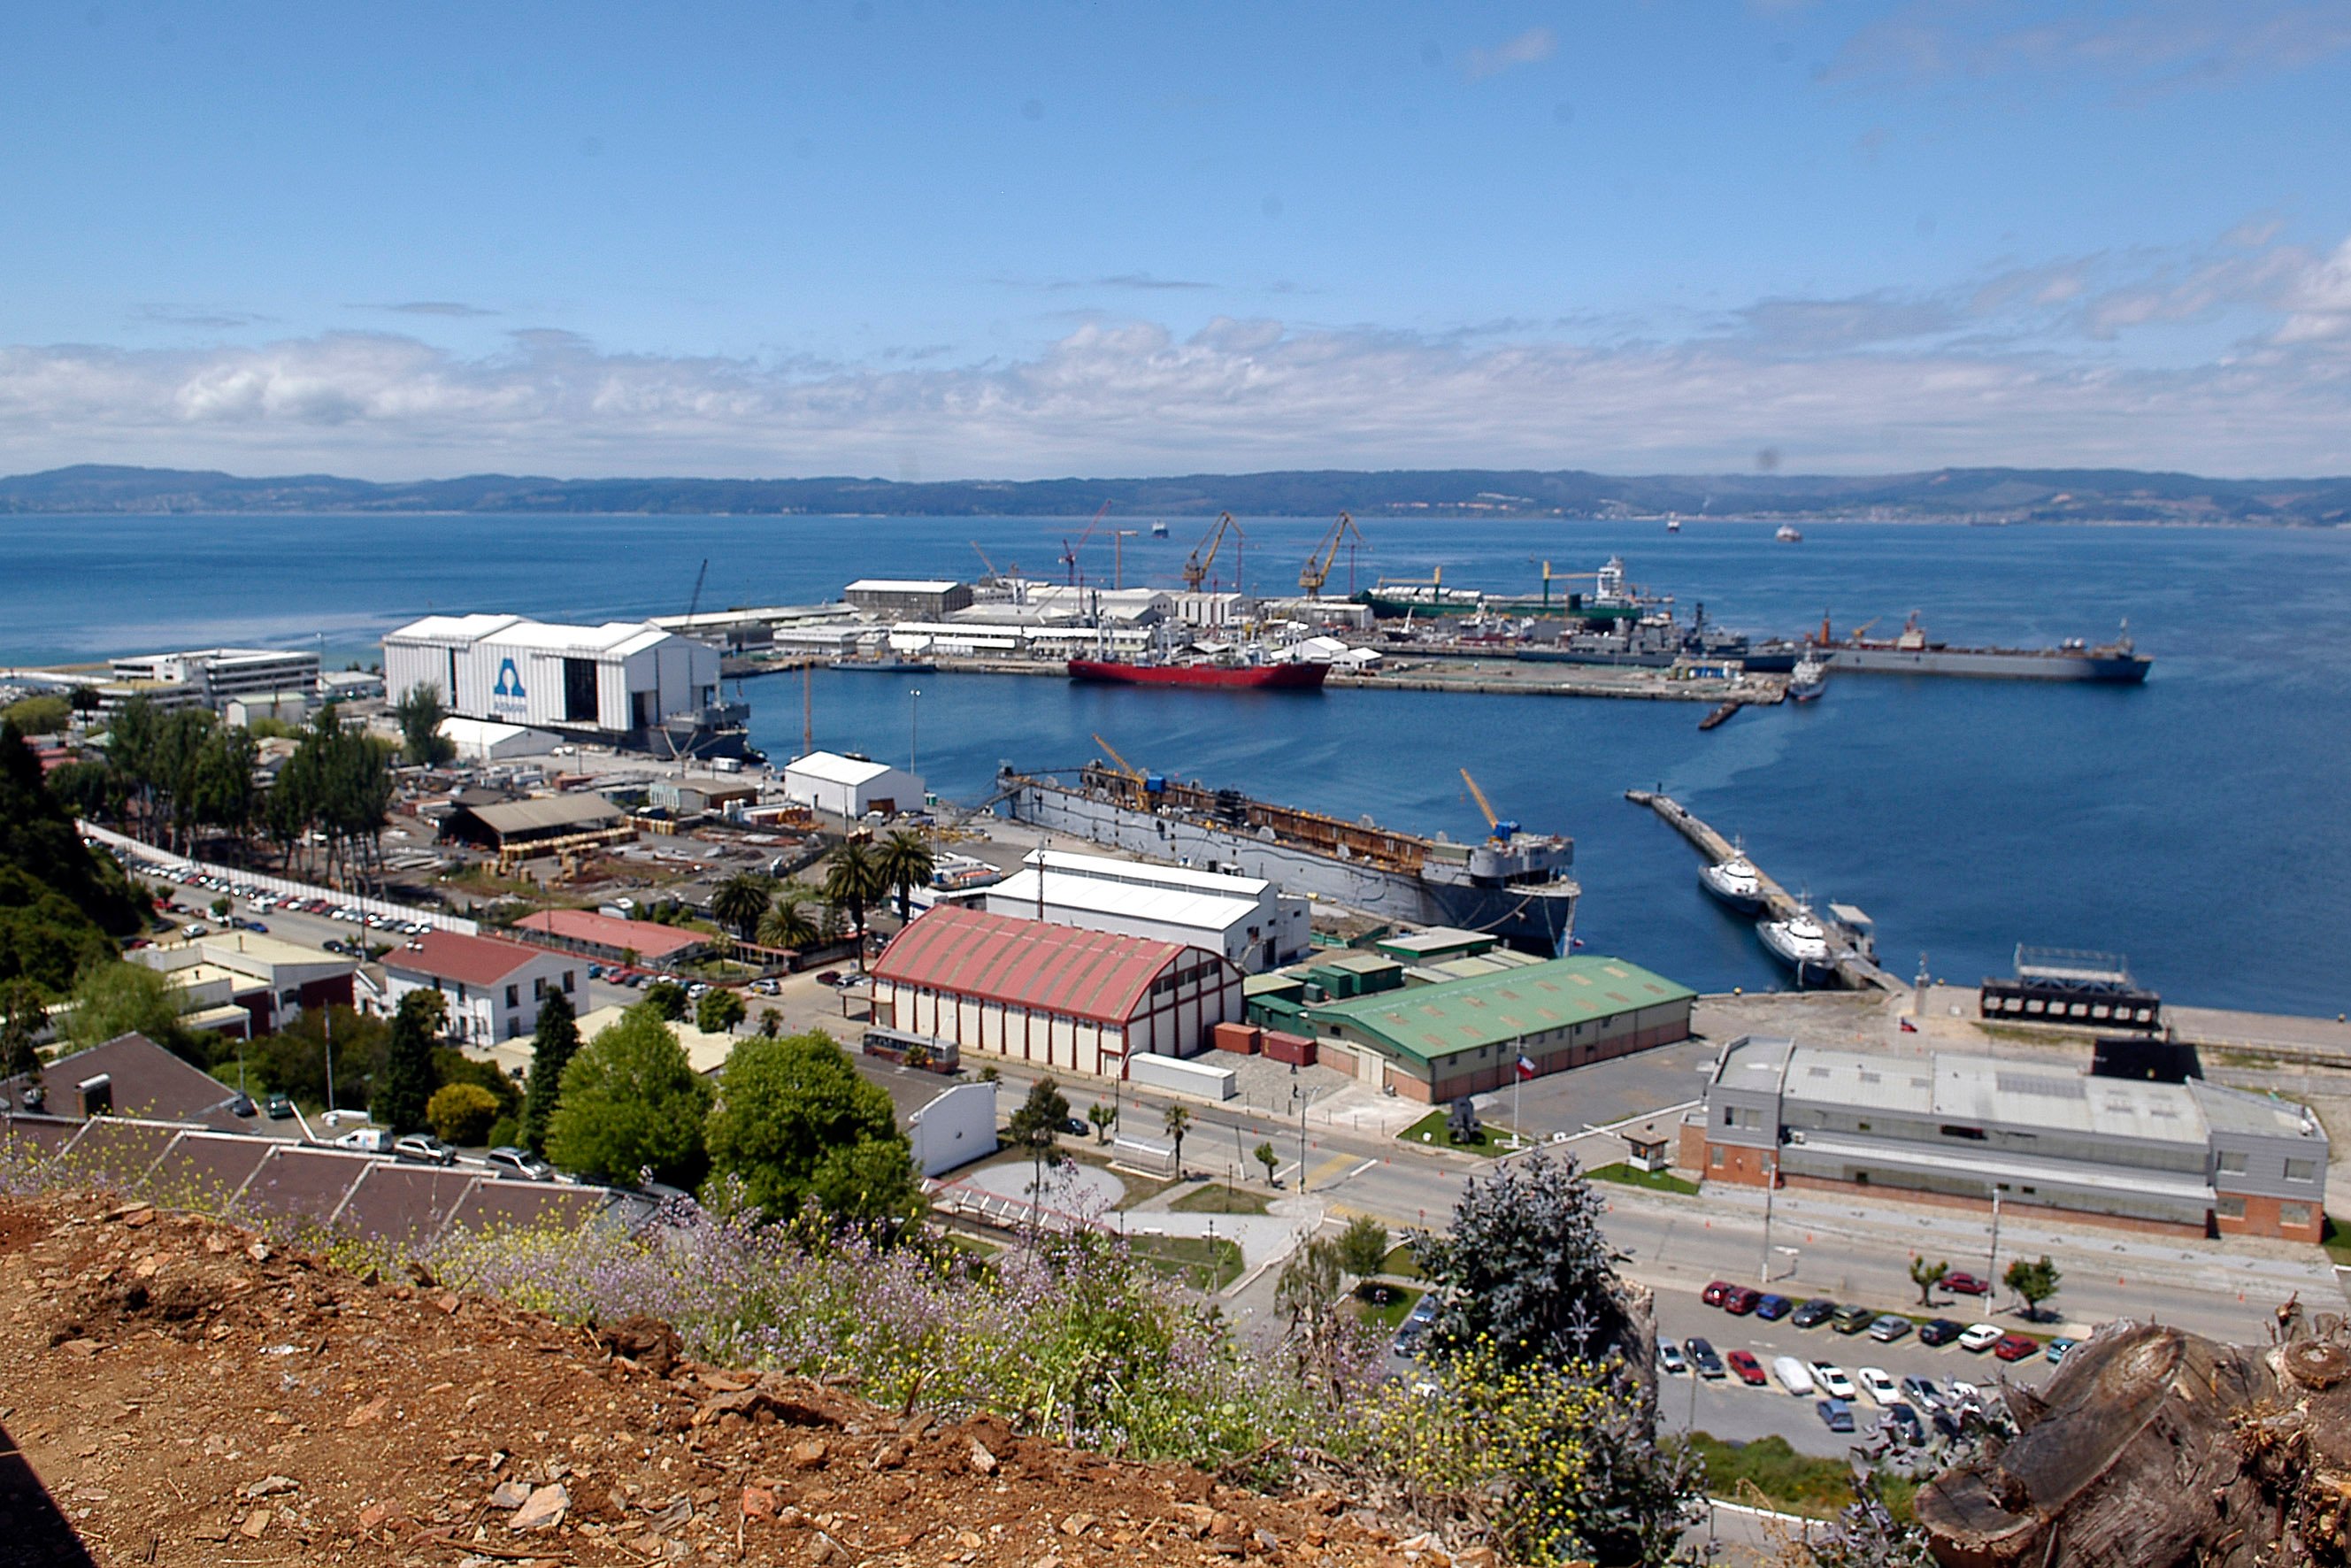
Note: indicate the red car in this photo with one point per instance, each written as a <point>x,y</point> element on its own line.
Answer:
<point>1748,1370</point>
<point>1712,1295</point>
<point>1738,1301</point>
<point>1966,1285</point>
<point>2015,1347</point>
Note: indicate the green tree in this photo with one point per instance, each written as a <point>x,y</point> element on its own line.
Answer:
<point>1363,1247</point>
<point>60,904</point>
<point>1263,1153</point>
<point>718,1011</point>
<point>1036,1126</point>
<point>786,924</point>
<point>42,715</point>
<point>87,789</point>
<point>1927,1276</point>
<point>462,1113</point>
<point>552,1046</point>
<point>1177,1122</point>
<point>740,901</point>
<point>666,998</point>
<point>116,999</point>
<point>1308,1291</point>
<point>853,881</point>
<point>632,1104</point>
<point>771,1023</point>
<point>420,712</point>
<point>2033,1283</point>
<point>293,1061</point>
<point>792,1115</point>
<point>905,862</point>
<point>404,1089</point>
<point>1525,1268</point>
<point>1104,1117</point>
<point>22,1015</point>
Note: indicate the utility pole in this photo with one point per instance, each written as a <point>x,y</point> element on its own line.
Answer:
<point>1771,1185</point>
<point>914,723</point>
<point>808,705</point>
<point>327,1013</point>
<point>1992,1265</point>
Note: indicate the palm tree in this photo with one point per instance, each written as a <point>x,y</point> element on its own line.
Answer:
<point>854,881</point>
<point>1176,1120</point>
<point>740,901</point>
<point>786,924</point>
<point>904,860</point>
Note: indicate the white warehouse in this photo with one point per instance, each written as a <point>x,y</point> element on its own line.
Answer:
<point>618,683</point>
<point>1246,918</point>
<point>849,786</point>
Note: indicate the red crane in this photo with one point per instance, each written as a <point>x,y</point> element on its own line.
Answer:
<point>1070,551</point>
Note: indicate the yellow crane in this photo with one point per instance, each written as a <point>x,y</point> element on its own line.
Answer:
<point>1195,567</point>
<point>1318,560</point>
<point>1121,763</point>
<point>1502,828</point>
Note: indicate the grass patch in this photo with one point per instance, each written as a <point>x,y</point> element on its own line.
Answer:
<point>2332,1237</point>
<point>1798,1483</point>
<point>1389,1315</point>
<point>1199,1262</point>
<point>1218,1198</point>
<point>1435,1130</point>
<point>1655,1181</point>
<point>1401,1263</point>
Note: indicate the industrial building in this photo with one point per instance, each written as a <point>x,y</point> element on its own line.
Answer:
<point>2187,1158</point>
<point>1246,918</point>
<point>1082,1001</point>
<point>1443,1038</point>
<point>542,825</point>
<point>903,597</point>
<point>245,982</point>
<point>490,986</point>
<point>486,740</point>
<point>850,786</point>
<point>624,682</point>
<point>609,939</point>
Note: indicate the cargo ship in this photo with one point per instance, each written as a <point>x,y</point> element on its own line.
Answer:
<point>1297,676</point>
<point>1911,653</point>
<point>1612,598</point>
<point>1515,886</point>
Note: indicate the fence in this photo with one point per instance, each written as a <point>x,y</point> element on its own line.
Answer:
<point>278,886</point>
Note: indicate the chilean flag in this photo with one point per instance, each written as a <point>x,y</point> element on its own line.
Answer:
<point>1908,1028</point>
<point>1526,1068</point>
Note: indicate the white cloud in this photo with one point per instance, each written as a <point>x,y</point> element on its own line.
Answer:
<point>1530,48</point>
<point>2165,45</point>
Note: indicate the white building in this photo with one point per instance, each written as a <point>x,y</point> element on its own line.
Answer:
<point>490,988</point>
<point>850,786</point>
<point>1246,918</point>
<point>481,740</point>
<point>616,682</point>
<point>210,677</point>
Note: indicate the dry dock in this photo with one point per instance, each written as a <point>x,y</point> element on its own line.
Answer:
<point>1854,965</point>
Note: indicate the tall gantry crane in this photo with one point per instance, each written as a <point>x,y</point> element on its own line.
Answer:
<point>1324,554</point>
<point>1070,551</point>
<point>1196,566</point>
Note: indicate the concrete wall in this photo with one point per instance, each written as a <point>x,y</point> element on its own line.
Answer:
<point>955,1129</point>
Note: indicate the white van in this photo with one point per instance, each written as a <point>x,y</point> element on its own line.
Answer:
<point>1793,1375</point>
<point>367,1140</point>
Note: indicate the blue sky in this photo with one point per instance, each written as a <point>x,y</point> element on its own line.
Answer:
<point>921,240</point>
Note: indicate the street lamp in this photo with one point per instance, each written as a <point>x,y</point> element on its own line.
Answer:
<point>914,723</point>
<point>1298,1098</point>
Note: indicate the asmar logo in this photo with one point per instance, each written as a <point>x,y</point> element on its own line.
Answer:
<point>506,697</point>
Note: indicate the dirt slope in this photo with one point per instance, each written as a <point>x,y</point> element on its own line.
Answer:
<point>181,1393</point>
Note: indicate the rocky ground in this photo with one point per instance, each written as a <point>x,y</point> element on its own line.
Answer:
<point>179,1392</point>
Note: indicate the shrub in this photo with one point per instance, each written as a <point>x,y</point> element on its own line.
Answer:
<point>462,1112</point>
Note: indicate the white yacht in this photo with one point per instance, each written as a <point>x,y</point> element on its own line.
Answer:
<point>1735,883</point>
<point>1789,534</point>
<point>1807,680</point>
<point>1800,944</point>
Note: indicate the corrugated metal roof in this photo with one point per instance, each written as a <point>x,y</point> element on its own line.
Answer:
<point>1167,905</point>
<point>1142,873</point>
<point>834,768</point>
<point>542,812</point>
<point>1428,1022</point>
<point>1032,964</point>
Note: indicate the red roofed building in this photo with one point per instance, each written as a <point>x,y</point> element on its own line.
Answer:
<point>611,940</point>
<point>1035,991</point>
<point>492,988</point>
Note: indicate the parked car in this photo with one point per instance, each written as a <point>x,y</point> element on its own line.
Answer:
<point>1947,1426</point>
<point>1852,1320</point>
<point>1836,1415</point>
<point>1981,1338</point>
<point>1941,1331</point>
<point>1793,1375</point>
<point>1922,1392</point>
<point>1750,1370</point>
<point>1740,1301</point>
<point>1771,1308</point>
<point>366,1140</point>
<point>1702,1356</point>
<point>240,1105</point>
<point>1964,1284</point>
<point>1963,1395</point>
<point>2058,1348</point>
<point>1888,1327</point>
<point>1670,1358</point>
<point>278,1107</point>
<point>520,1165</point>
<point>2016,1347</point>
<point>1715,1292</point>
<point>1903,1422</point>
<point>1813,1313</point>
<point>1075,1126</point>
<point>422,1148</point>
<point>1877,1385</point>
<point>1832,1380</point>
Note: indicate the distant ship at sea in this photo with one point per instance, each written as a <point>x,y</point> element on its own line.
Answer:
<point>1911,652</point>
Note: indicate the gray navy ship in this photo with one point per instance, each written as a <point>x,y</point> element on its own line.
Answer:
<point>1911,652</point>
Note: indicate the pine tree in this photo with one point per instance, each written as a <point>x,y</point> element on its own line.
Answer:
<point>552,1047</point>
<point>406,1088</point>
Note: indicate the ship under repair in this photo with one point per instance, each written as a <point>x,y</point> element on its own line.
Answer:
<point>1514,886</point>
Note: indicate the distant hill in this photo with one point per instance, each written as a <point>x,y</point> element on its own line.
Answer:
<point>1991,495</point>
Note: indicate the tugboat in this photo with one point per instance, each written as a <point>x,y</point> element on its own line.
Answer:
<point>1734,883</point>
<point>1800,944</point>
<point>1807,680</point>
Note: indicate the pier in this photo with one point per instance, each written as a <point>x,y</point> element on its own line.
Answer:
<point>1853,965</point>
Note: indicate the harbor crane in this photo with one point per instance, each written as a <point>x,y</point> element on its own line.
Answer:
<point>1011,571</point>
<point>694,603</point>
<point>1324,554</point>
<point>1502,828</point>
<point>1121,763</point>
<point>1070,551</point>
<point>1195,566</point>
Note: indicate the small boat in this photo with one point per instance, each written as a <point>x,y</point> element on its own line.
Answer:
<point>1158,530</point>
<point>1788,533</point>
<point>1800,944</point>
<point>1673,525</point>
<point>1735,883</point>
<point>1723,714</point>
<point>1807,680</point>
<point>887,666</point>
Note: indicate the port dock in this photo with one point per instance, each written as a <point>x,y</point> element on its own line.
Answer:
<point>1853,965</point>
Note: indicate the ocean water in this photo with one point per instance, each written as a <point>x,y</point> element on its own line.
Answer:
<point>2198,825</point>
